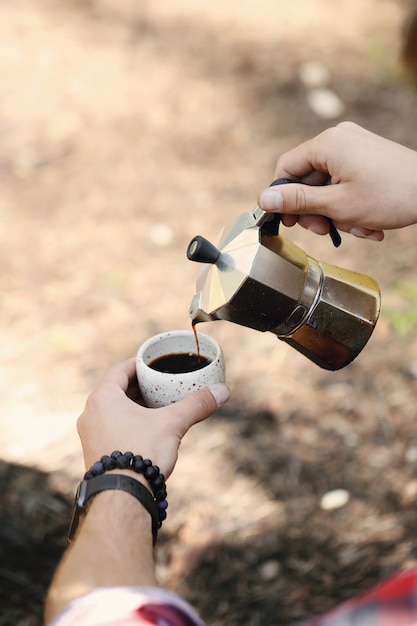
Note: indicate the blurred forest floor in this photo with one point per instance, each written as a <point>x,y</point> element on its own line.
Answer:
<point>126,128</point>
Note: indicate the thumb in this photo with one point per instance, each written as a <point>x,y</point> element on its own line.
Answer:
<point>299,199</point>
<point>198,406</point>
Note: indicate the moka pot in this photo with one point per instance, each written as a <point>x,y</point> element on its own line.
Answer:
<point>257,278</point>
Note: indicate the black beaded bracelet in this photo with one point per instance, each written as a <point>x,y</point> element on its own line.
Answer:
<point>136,463</point>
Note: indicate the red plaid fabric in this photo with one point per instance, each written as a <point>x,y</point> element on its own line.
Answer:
<point>392,603</point>
<point>157,615</point>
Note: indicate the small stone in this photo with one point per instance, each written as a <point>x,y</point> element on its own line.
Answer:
<point>325,103</point>
<point>412,369</point>
<point>411,454</point>
<point>161,235</point>
<point>334,499</point>
<point>409,493</point>
<point>269,570</point>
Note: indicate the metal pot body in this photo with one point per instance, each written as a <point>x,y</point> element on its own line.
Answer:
<point>268,283</point>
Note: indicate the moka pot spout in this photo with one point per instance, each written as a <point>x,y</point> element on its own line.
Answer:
<point>197,314</point>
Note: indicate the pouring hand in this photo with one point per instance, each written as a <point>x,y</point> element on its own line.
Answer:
<point>112,420</point>
<point>363,182</point>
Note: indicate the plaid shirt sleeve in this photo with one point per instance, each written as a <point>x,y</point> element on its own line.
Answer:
<point>392,603</point>
<point>129,606</point>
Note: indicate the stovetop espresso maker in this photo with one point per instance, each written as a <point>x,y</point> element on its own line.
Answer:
<point>255,277</point>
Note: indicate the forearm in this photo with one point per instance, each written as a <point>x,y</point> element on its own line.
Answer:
<point>113,547</point>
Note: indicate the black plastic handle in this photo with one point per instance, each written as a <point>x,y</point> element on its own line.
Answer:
<point>201,250</point>
<point>334,233</point>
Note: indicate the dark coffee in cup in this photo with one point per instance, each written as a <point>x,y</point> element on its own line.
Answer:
<point>176,351</point>
<point>179,363</point>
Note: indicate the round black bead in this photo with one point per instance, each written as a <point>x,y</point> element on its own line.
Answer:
<point>138,464</point>
<point>151,473</point>
<point>158,482</point>
<point>97,469</point>
<point>108,462</point>
<point>115,454</point>
<point>161,494</point>
<point>122,462</point>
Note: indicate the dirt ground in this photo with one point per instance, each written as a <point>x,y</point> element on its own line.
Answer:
<point>126,128</point>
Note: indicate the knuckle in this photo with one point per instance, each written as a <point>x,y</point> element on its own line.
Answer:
<point>93,400</point>
<point>332,134</point>
<point>347,125</point>
<point>300,199</point>
<point>95,405</point>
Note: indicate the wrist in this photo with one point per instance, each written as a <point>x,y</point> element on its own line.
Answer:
<point>121,471</point>
<point>114,513</point>
<point>91,488</point>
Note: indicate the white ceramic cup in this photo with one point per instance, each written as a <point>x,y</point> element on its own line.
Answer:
<point>163,388</point>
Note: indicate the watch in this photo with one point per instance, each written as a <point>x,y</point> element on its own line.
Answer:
<point>87,489</point>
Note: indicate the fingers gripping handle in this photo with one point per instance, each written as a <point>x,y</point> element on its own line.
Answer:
<point>334,233</point>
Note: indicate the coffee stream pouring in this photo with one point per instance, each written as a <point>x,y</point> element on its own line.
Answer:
<point>257,278</point>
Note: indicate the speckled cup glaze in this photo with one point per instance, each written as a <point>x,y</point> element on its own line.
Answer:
<point>161,389</point>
